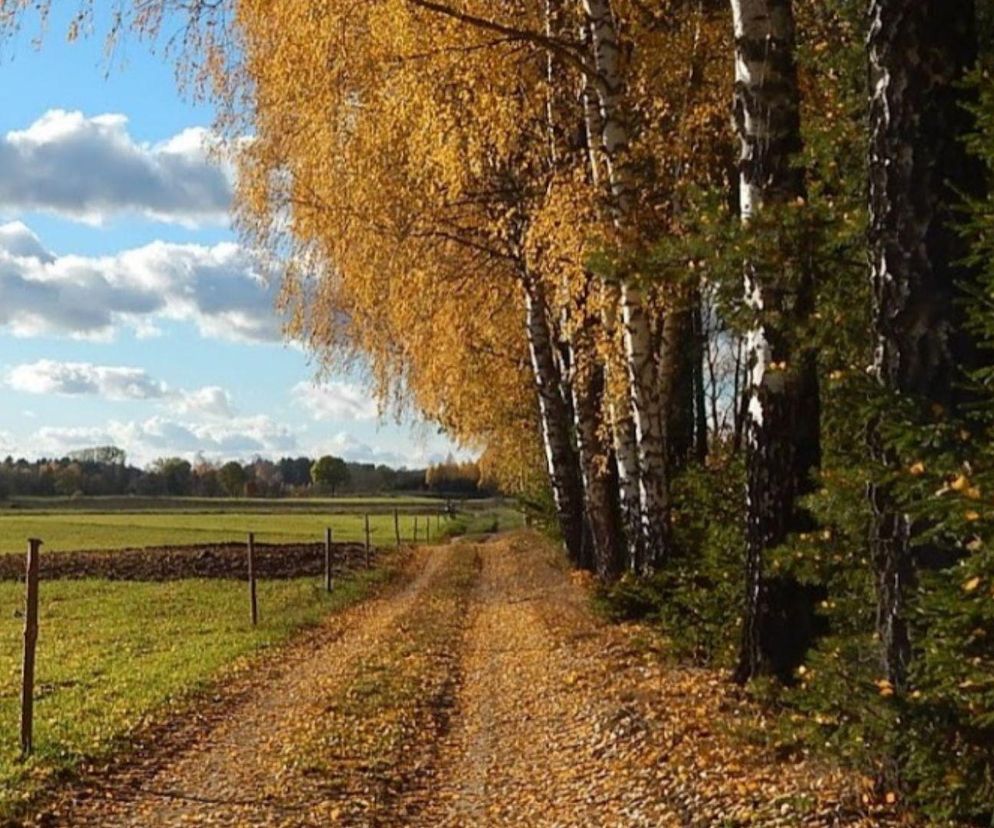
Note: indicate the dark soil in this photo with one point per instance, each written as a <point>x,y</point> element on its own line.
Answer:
<point>171,563</point>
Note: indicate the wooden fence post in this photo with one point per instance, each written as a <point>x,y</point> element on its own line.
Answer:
<point>367,541</point>
<point>415,528</point>
<point>327,559</point>
<point>396,526</point>
<point>30,642</point>
<point>427,528</point>
<point>253,603</point>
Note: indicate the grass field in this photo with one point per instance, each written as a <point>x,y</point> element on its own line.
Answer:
<point>112,653</point>
<point>134,503</point>
<point>120,529</point>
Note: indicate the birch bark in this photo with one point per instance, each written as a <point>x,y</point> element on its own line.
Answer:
<point>918,51</point>
<point>597,462</point>
<point>561,456</point>
<point>781,428</point>
<point>643,370</point>
<point>621,423</point>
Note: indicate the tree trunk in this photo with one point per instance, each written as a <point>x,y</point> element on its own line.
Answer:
<point>919,51</point>
<point>622,427</point>
<point>698,349</point>
<point>626,454</point>
<point>646,392</point>
<point>568,376</point>
<point>782,423</point>
<point>629,490</point>
<point>561,456</point>
<point>600,476</point>
<point>677,376</point>
<point>741,400</point>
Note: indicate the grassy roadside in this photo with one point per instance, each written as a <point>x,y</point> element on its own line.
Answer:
<point>373,736</point>
<point>483,522</point>
<point>114,656</point>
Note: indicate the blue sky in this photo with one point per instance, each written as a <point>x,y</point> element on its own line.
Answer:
<point>128,311</point>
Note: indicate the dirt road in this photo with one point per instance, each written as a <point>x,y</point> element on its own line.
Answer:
<point>480,691</point>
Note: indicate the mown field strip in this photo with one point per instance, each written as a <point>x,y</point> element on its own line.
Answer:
<point>135,503</point>
<point>120,530</point>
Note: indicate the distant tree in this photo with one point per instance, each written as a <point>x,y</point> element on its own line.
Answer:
<point>109,455</point>
<point>69,479</point>
<point>453,477</point>
<point>233,477</point>
<point>205,480</point>
<point>176,474</point>
<point>267,478</point>
<point>46,480</point>
<point>330,472</point>
<point>296,471</point>
<point>150,484</point>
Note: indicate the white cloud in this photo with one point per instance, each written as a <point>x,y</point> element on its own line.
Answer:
<point>116,382</point>
<point>218,288</point>
<point>72,378</point>
<point>19,240</point>
<point>210,401</point>
<point>90,169</point>
<point>347,445</point>
<point>217,439</point>
<point>335,401</point>
<point>147,440</point>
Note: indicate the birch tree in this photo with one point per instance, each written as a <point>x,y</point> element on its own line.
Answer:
<point>781,430</point>
<point>621,424</point>
<point>919,52</point>
<point>645,388</point>
<point>561,455</point>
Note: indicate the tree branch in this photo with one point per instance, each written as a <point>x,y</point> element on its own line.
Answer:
<point>562,49</point>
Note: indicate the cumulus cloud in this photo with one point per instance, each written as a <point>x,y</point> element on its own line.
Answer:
<point>334,401</point>
<point>237,437</point>
<point>116,382</point>
<point>112,382</point>
<point>17,239</point>
<point>211,401</point>
<point>347,445</point>
<point>147,440</point>
<point>91,169</point>
<point>218,288</point>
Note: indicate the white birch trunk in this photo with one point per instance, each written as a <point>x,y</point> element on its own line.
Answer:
<point>621,424</point>
<point>561,457</point>
<point>782,417</point>
<point>625,447</point>
<point>646,392</point>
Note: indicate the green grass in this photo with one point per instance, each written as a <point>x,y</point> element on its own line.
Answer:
<point>119,530</point>
<point>133,503</point>
<point>483,522</point>
<point>110,654</point>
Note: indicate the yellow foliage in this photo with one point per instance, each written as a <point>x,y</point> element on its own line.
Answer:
<point>401,165</point>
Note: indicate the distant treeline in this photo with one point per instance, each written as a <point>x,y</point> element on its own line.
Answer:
<point>104,471</point>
